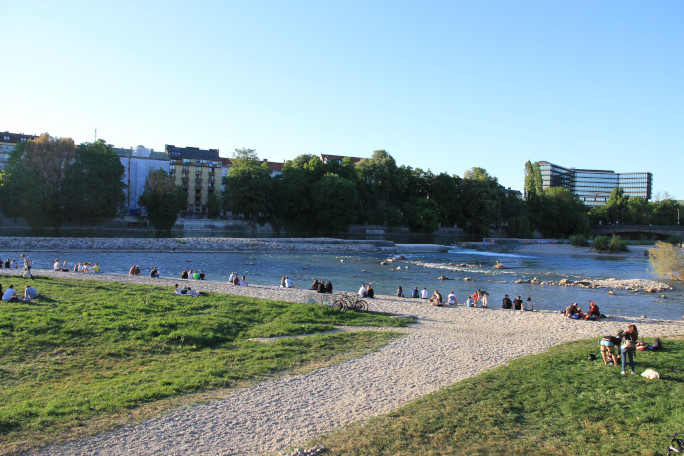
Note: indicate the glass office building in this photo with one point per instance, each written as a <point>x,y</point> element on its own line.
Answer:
<point>594,186</point>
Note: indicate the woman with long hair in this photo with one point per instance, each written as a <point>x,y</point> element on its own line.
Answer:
<point>628,346</point>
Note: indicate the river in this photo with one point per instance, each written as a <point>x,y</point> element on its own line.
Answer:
<point>347,272</point>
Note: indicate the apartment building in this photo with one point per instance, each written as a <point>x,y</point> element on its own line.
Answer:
<point>198,171</point>
<point>8,141</point>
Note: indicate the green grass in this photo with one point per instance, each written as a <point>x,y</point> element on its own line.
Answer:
<point>89,355</point>
<point>555,403</point>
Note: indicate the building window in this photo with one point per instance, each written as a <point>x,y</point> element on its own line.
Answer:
<point>6,138</point>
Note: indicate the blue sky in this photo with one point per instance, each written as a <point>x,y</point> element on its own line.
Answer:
<point>440,85</point>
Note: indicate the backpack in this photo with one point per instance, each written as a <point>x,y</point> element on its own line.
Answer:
<point>657,345</point>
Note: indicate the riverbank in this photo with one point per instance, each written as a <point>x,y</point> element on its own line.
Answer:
<point>447,344</point>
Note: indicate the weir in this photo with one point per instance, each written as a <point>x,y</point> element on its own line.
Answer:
<point>421,248</point>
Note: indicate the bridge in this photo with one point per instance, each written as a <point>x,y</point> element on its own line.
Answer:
<point>661,230</point>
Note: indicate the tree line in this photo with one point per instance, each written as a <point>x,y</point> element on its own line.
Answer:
<point>49,181</point>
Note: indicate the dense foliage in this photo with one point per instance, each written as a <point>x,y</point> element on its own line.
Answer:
<point>327,197</point>
<point>49,181</point>
<point>162,199</point>
<point>667,260</point>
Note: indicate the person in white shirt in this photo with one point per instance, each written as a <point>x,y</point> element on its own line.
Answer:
<point>424,293</point>
<point>57,266</point>
<point>10,294</point>
<point>362,290</point>
<point>451,299</point>
<point>288,282</point>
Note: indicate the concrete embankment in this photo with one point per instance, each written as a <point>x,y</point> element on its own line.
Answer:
<point>195,244</point>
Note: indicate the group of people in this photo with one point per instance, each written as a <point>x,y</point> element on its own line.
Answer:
<point>236,280</point>
<point>8,264</point>
<point>85,268</point>
<point>185,291</point>
<point>10,295</point>
<point>574,311</point>
<point>516,304</point>
<point>286,282</point>
<point>192,274</point>
<point>321,287</point>
<point>366,291</point>
<point>627,341</point>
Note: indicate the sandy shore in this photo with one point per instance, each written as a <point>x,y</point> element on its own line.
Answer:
<point>447,344</point>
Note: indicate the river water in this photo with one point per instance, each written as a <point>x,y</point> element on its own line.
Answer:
<point>347,272</point>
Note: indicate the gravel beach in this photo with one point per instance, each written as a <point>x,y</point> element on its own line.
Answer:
<point>446,345</point>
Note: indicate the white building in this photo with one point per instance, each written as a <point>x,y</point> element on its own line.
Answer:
<point>138,162</point>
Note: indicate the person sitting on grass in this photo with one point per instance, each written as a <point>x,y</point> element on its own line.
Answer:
<point>30,293</point>
<point>10,294</point>
<point>176,291</point>
<point>436,299</point>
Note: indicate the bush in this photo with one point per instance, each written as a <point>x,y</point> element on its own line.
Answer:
<point>607,244</point>
<point>667,260</point>
<point>579,241</point>
<point>674,240</point>
<point>519,227</point>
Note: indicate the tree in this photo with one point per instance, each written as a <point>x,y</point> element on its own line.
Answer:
<point>93,187</point>
<point>560,213</point>
<point>665,212</point>
<point>533,180</point>
<point>616,204</point>
<point>637,211</point>
<point>481,199</point>
<point>443,191</point>
<point>162,199</point>
<point>213,205</point>
<point>32,185</point>
<point>667,260</point>
<point>478,174</point>
<point>421,215</point>
<point>337,201</point>
<point>247,187</point>
<point>379,186</point>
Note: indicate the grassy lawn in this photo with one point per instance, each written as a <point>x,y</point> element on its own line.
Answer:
<point>90,355</point>
<point>555,403</point>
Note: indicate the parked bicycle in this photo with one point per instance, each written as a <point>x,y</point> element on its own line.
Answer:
<point>347,301</point>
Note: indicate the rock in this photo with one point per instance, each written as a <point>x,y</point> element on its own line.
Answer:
<point>565,282</point>
<point>468,278</point>
<point>611,292</point>
<point>442,278</point>
<point>383,263</point>
<point>662,296</point>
